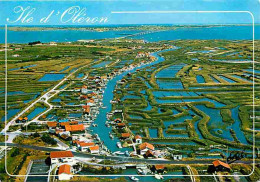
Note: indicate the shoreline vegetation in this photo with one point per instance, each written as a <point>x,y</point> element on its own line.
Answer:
<point>103,28</point>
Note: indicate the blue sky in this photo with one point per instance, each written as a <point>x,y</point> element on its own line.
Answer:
<point>105,7</point>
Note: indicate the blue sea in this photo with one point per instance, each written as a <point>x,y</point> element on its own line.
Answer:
<point>225,32</point>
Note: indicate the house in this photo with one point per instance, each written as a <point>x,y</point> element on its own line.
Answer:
<point>86,109</point>
<point>77,142</point>
<point>21,120</point>
<point>138,139</point>
<point>65,136</point>
<point>75,128</point>
<point>52,124</point>
<point>177,157</point>
<point>221,166</point>
<point>90,102</point>
<point>149,153</point>
<point>53,43</point>
<point>144,147</point>
<point>158,168</point>
<point>125,135</point>
<point>74,122</point>
<point>84,89</point>
<point>118,120</point>
<point>65,172</point>
<point>16,55</point>
<point>94,149</point>
<point>61,157</point>
<point>120,125</point>
<point>63,124</point>
<point>85,146</point>
<point>83,97</point>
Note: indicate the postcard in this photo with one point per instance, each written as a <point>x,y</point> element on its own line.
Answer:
<point>109,90</point>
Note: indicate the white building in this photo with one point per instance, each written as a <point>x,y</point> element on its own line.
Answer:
<point>61,157</point>
<point>53,43</point>
<point>144,147</point>
<point>84,89</point>
<point>94,149</point>
<point>65,172</point>
<point>85,146</point>
<point>16,55</point>
<point>177,157</point>
<point>138,139</point>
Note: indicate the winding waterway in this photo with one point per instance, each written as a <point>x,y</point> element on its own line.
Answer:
<point>102,130</point>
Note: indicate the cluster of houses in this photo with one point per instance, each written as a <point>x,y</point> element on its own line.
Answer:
<point>86,146</point>
<point>142,54</point>
<point>91,96</point>
<point>66,130</point>
<point>21,120</point>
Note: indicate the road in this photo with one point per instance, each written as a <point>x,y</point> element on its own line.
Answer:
<point>120,158</point>
<point>191,174</point>
<point>43,98</point>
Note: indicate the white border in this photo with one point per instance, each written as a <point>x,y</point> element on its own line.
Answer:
<point>147,12</point>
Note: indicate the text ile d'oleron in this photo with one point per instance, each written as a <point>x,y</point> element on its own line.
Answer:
<point>73,14</point>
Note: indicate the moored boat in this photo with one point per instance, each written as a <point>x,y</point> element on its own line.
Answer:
<point>133,178</point>
<point>119,145</point>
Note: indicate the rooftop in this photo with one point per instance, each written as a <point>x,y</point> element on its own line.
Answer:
<point>220,163</point>
<point>72,128</point>
<point>138,137</point>
<point>146,145</point>
<point>94,148</point>
<point>65,168</point>
<point>125,135</point>
<point>61,154</point>
<point>84,144</point>
<point>52,124</point>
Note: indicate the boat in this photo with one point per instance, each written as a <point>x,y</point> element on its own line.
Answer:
<point>140,171</point>
<point>133,178</point>
<point>119,145</point>
<point>158,176</point>
<point>107,124</point>
<point>94,125</point>
<point>111,136</point>
<point>161,176</point>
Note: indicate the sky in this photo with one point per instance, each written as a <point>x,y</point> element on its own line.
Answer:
<point>105,8</point>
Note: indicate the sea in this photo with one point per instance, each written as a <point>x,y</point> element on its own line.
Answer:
<point>240,32</point>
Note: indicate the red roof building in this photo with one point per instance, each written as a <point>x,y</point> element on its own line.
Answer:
<point>125,135</point>
<point>52,124</point>
<point>94,149</point>
<point>84,144</point>
<point>121,125</point>
<point>61,154</point>
<point>159,167</point>
<point>75,128</point>
<point>65,168</point>
<point>118,120</point>
<point>220,164</point>
<point>146,146</point>
<point>138,137</point>
<point>86,108</point>
<point>64,123</point>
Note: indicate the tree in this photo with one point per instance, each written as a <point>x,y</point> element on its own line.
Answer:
<point>36,135</point>
<point>15,152</point>
<point>47,139</point>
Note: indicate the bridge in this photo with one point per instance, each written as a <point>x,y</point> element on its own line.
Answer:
<point>138,34</point>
